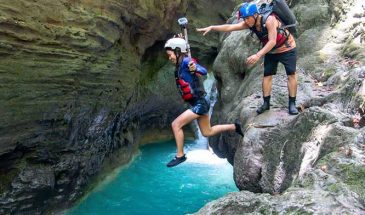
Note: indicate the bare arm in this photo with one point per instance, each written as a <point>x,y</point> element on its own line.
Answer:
<point>223,28</point>
<point>271,25</point>
<point>230,27</point>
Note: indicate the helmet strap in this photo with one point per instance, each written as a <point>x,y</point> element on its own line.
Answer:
<point>178,55</point>
<point>255,17</point>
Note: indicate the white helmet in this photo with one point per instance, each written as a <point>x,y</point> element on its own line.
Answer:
<point>174,43</point>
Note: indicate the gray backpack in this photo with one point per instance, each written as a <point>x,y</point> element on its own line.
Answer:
<point>281,9</point>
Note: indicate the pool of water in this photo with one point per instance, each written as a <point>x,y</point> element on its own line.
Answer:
<point>147,186</point>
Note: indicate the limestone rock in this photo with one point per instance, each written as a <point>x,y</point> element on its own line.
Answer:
<point>282,154</point>
<point>78,87</point>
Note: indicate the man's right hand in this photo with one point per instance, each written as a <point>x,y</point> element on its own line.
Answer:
<point>204,30</point>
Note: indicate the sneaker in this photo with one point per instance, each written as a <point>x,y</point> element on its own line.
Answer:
<point>237,124</point>
<point>176,161</point>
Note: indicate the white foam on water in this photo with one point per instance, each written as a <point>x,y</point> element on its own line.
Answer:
<point>204,156</point>
<point>200,152</point>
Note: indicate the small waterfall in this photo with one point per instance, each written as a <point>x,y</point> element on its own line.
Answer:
<point>199,152</point>
<point>211,88</point>
<point>212,94</point>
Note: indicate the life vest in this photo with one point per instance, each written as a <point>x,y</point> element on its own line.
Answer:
<point>185,89</point>
<point>263,35</point>
<point>190,89</point>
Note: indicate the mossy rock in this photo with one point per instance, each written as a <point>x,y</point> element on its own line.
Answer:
<point>315,65</point>
<point>6,179</point>
<point>354,176</point>
<point>351,50</point>
<point>327,73</point>
<point>311,14</point>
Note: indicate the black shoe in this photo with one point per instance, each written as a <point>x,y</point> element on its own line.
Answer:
<point>292,109</point>
<point>238,125</point>
<point>176,161</point>
<point>263,108</point>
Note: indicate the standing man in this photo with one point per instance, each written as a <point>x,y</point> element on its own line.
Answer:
<point>278,46</point>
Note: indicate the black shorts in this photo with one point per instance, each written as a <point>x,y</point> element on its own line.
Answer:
<point>200,106</point>
<point>288,59</point>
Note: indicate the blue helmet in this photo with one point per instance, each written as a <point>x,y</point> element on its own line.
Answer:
<point>248,9</point>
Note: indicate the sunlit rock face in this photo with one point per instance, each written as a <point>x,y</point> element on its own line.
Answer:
<point>282,153</point>
<point>80,80</point>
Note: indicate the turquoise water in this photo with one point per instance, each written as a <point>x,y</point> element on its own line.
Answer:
<point>147,186</point>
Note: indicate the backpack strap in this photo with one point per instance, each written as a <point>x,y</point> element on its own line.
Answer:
<point>288,26</point>
<point>280,28</point>
<point>264,18</point>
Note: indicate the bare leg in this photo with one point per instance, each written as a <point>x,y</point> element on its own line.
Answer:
<point>208,131</point>
<point>184,118</point>
<point>267,85</point>
<point>292,85</point>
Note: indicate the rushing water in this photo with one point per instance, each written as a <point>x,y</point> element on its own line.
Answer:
<point>147,186</point>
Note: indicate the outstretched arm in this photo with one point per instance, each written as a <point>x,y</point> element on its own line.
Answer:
<point>223,28</point>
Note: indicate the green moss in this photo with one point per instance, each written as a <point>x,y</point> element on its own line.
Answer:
<point>333,188</point>
<point>327,73</point>
<point>152,66</point>
<point>300,212</point>
<point>326,160</point>
<point>307,181</point>
<point>351,50</point>
<point>354,176</point>
<point>266,210</point>
<point>6,179</point>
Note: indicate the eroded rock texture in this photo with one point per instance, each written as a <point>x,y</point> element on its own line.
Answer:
<point>79,83</point>
<point>319,151</point>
